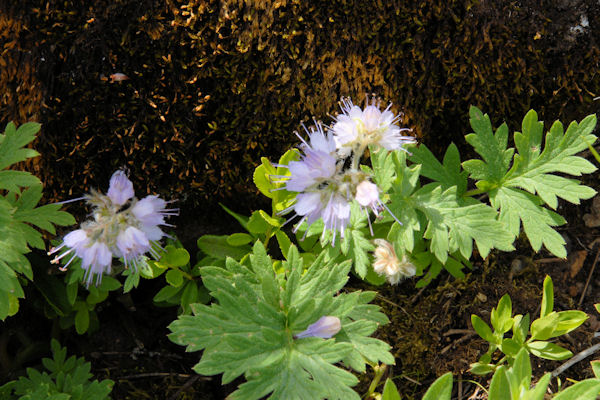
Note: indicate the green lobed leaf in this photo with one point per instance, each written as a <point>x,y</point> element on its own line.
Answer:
<point>13,141</point>
<point>491,146</point>
<point>454,224</point>
<point>532,167</point>
<point>517,206</point>
<point>383,169</point>
<point>521,192</point>
<point>250,329</point>
<point>448,173</point>
<point>14,180</point>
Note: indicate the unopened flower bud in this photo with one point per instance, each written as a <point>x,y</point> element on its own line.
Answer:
<point>367,194</point>
<point>326,327</point>
<point>120,188</point>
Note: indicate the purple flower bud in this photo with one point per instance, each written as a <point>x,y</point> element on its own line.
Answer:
<point>367,194</point>
<point>120,188</point>
<point>326,327</point>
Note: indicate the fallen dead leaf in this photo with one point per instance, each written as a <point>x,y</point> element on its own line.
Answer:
<point>576,261</point>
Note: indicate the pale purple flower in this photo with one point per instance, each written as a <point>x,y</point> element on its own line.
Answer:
<point>317,179</point>
<point>357,128</point>
<point>131,244</point>
<point>96,260</point>
<point>326,327</point>
<point>76,242</point>
<point>120,188</point>
<point>150,212</point>
<point>317,165</point>
<point>95,256</point>
<point>118,229</point>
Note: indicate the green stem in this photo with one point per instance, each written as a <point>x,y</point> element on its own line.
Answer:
<point>356,156</point>
<point>473,192</point>
<point>379,371</point>
<point>185,274</point>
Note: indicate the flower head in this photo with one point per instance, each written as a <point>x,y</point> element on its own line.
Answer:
<point>326,327</point>
<point>317,177</point>
<point>387,263</point>
<point>356,128</point>
<point>126,232</point>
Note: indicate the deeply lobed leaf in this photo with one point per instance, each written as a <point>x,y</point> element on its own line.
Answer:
<point>250,331</point>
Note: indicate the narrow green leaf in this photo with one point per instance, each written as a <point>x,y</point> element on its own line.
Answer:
<point>501,316</point>
<point>239,239</point>
<point>480,368</point>
<point>585,390</point>
<point>82,320</point>
<point>217,246</point>
<point>540,389</point>
<point>500,386</point>
<point>390,391</point>
<point>441,389</point>
<point>543,328</point>
<point>547,297</point>
<point>482,329</point>
<point>549,351</point>
<point>242,219</point>
<point>596,368</point>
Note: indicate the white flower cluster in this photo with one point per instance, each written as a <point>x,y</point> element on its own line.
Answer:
<point>122,227</point>
<point>326,185</point>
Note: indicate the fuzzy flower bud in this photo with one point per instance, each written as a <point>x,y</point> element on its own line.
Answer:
<point>387,263</point>
<point>326,327</point>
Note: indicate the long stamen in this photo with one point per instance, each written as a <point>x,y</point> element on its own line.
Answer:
<point>369,221</point>
<point>72,200</point>
<point>391,213</point>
